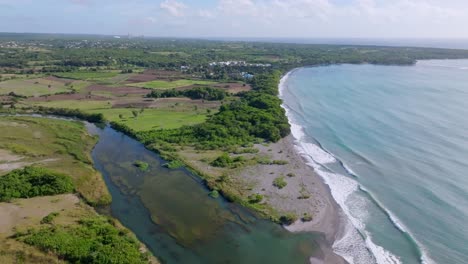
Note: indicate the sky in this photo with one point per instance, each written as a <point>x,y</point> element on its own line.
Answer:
<point>241,18</point>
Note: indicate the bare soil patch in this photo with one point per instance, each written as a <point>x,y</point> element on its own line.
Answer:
<point>234,87</point>
<point>152,74</point>
<point>31,211</point>
<point>165,103</point>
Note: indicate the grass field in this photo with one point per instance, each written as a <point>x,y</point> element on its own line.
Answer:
<point>76,104</point>
<point>38,86</point>
<point>170,85</point>
<point>92,76</point>
<point>150,118</point>
<point>63,146</point>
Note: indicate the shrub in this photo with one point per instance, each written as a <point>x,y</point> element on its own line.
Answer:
<point>255,198</point>
<point>49,218</point>
<point>288,219</point>
<point>93,240</point>
<point>279,162</point>
<point>32,182</point>
<point>214,194</point>
<point>175,164</point>
<point>290,175</point>
<point>280,183</point>
<point>306,217</point>
<point>225,161</point>
<point>143,166</point>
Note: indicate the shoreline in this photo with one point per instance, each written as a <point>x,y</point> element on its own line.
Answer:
<point>306,193</point>
<point>330,220</point>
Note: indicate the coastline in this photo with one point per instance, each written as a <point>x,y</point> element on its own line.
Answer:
<point>305,193</point>
<point>330,219</point>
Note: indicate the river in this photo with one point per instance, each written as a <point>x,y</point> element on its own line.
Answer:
<point>172,213</point>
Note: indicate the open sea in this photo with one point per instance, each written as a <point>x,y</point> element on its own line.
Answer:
<point>392,144</point>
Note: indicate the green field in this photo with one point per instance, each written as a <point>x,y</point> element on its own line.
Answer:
<point>76,104</point>
<point>63,146</point>
<point>92,76</point>
<point>149,119</point>
<point>37,87</point>
<point>170,85</point>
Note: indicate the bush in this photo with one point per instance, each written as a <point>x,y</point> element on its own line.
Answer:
<point>306,217</point>
<point>205,93</point>
<point>255,198</point>
<point>225,161</point>
<point>280,183</point>
<point>143,166</point>
<point>279,162</point>
<point>288,219</point>
<point>49,218</point>
<point>175,164</point>
<point>33,181</point>
<point>214,194</point>
<point>93,240</point>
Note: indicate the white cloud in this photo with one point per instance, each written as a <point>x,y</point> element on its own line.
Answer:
<point>173,7</point>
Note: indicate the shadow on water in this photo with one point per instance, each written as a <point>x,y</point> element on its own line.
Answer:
<point>171,212</point>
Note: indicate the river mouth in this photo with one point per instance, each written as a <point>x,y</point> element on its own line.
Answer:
<point>171,212</point>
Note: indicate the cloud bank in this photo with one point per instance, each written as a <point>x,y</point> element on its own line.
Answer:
<point>246,18</point>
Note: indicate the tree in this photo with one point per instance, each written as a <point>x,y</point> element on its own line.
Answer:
<point>135,113</point>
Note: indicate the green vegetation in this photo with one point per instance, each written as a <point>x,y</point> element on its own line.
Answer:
<point>288,219</point>
<point>49,218</point>
<point>78,75</point>
<point>74,113</point>
<point>225,161</point>
<point>214,194</point>
<point>59,146</point>
<point>143,166</point>
<point>258,114</point>
<point>171,85</point>
<point>175,164</point>
<point>32,182</point>
<point>306,217</point>
<point>205,93</point>
<point>39,87</point>
<point>98,111</point>
<point>279,182</point>
<point>255,198</point>
<point>151,119</point>
<point>172,125</point>
<point>93,240</point>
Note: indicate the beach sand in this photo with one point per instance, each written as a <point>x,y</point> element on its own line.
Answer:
<point>301,182</point>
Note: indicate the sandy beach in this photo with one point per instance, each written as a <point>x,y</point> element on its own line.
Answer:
<point>305,193</point>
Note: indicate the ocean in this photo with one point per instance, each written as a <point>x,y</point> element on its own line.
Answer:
<point>392,144</point>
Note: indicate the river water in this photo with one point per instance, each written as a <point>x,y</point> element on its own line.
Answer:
<point>171,212</point>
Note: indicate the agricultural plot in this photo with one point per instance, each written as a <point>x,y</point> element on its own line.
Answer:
<point>169,117</point>
<point>164,85</point>
<point>150,119</point>
<point>91,76</point>
<point>39,86</point>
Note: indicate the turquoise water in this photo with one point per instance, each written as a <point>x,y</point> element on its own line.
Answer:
<point>392,143</point>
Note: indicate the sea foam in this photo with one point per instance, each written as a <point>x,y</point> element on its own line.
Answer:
<point>355,244</point>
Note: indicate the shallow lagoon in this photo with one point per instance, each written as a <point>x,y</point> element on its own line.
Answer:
<point>171,212</point>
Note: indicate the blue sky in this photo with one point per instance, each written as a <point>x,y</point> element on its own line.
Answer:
<point>241,18</point>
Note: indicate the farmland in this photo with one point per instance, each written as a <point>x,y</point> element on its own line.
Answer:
<point>170,84</point>
<point>39,86</point>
